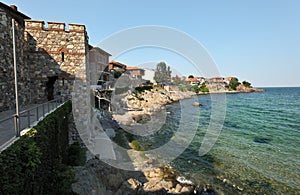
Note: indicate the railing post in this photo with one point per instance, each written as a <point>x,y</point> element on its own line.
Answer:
<point>28,118</point>
<point>16,123</point>
<point>16,118</point>
<point>37,113</point>
<point>43,110</point>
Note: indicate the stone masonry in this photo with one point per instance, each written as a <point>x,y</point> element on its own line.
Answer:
<point>7,93</point>
<point>54,57</point>
<point>49,57</point>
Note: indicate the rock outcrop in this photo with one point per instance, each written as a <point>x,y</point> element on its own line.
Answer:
<point>143,105</point>
<point>96,177</point>
<point>242,89</point>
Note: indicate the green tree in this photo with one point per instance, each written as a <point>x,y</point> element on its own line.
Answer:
<point>195,88</point>
<point>246,84</point>
<point>234,82</point>
<point>203,88</point>
<point>117,74</point>
<point>162,73</point>
<point>190,76</point>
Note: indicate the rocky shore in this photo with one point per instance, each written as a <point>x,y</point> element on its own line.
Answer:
<point>97,177</point>
<point>143,105</point>
<point>240,89</point>
<point>243,89</point>
<point>151,177</point>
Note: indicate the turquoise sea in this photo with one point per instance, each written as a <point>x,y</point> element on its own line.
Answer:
<point>258,150</point>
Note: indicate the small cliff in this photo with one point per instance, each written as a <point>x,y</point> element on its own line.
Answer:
<point>243,89</point>
<point>141,105</point>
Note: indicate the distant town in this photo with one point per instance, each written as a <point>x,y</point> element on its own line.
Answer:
<point>162,75</point>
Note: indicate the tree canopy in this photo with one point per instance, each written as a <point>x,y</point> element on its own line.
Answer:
<point>246,84</point>
<point>162,73</point>
<point>234,82</point>
<point>203,88</point>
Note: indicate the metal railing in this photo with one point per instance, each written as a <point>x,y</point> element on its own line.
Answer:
<point>12,125</point>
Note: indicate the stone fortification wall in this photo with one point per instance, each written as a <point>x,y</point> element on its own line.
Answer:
<point>48,58</point>
<point>54,57</point>
<point>7,92</point>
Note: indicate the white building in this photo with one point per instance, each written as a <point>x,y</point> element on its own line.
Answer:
<point>149,75</point>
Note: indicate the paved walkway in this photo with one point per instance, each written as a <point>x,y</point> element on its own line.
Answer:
<point>28,116</point>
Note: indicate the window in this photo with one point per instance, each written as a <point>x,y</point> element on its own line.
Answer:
<point>62,56</point>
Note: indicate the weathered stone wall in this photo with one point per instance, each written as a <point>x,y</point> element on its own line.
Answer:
<point>48,58</point>
<point>54,57</point>
<point>7,90</point>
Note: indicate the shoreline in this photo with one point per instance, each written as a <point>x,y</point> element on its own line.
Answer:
<point>150,177</point>
<point>148,103</point>
<point>153,177</point>
<point>250,90</point>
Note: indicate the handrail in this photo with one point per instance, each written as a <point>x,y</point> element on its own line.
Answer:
<point>24,111</point>
<point>34,114</point>
<point>40,111</point>
<point>7,118</point>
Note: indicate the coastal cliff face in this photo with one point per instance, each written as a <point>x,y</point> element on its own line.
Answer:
<point>243,89</point>
<point>218,88</point>
<point>151,101</point>
<point>143,105</point>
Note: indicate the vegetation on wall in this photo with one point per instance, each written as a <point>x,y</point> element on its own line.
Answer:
<point>37,163</point>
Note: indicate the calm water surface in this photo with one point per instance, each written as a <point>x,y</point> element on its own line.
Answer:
<point>258,150</point>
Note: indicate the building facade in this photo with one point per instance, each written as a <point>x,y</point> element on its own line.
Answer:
<point>149,75</point>
<point>98,63</point>
<point>135,72</point>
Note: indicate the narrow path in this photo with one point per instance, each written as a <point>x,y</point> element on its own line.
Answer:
<point>28,116</point>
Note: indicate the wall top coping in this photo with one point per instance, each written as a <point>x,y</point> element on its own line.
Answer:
<point>58,26</point>
<point>34,21</point>
<point>51,22</point>
<point>76,24</point>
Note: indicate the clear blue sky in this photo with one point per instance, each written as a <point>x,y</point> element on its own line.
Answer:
<point>255,40</point>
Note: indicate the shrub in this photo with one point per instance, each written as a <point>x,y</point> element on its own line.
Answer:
<point>76,155</point>
<point>234,82</point>
<point>203,88</point>
<point>247,84</point>
<point>35,164</point>
<point>136,146</point>
<point>144,88</point>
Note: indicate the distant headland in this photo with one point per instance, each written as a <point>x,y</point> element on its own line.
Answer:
<point>199,84</point>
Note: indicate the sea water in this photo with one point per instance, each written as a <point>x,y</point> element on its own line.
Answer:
<point>257,151</point>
